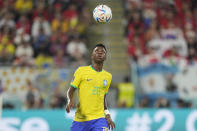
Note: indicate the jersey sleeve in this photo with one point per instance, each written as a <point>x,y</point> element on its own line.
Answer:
<point>109,83</point>
<point>76,79</point>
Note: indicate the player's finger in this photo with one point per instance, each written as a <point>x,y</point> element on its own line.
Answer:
<point>109,125</point>
<point>114,125</point>
<point>67,109</point>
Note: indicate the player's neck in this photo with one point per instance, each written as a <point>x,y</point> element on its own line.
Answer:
<point>97,67</point>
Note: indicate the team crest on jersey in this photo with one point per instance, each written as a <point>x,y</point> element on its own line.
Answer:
<point>105,82</point>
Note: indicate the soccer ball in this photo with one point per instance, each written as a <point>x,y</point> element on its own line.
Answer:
<point>102,14</point>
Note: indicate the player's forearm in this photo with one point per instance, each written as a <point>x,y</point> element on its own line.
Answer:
<point>106,111</point>
<point>70,94</point>
<point>105,103</point>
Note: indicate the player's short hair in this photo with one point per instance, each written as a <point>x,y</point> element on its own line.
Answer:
<point>100,45</point>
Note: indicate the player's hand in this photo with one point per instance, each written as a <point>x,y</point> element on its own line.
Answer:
<point>69,106</point>
<point>111,124</point>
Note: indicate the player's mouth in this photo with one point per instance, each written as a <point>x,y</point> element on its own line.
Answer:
<point>99,57</point>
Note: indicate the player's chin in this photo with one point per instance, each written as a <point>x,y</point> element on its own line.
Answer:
<point>99,60</point>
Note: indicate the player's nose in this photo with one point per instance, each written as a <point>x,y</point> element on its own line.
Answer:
<point>100,52</point>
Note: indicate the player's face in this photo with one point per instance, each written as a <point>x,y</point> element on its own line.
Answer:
<point>99,54</point>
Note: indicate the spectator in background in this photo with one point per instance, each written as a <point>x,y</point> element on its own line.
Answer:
<point>41,42</point>
<point>152,32</point>
<point>59,60</point>
<point>183,104</point>
<point>180,103</point>
<point>84,19</point>
<point>40,10</point>
<point>150,58</point>
<point>171,54</point>
<point>8,21</point>
<point>77,50</point>
<point>43,60</point>
<point>40,24</point>
<point>6,6</point>
<point>60,23</point>
<point>71,12</point>
<point>7,33</point>
<point>171,32</point>
<point>21,36</point>
<point>188,21</point>
<point>23,6</point>
<point>135,48</point>
<point>24,24</point>
<point>57,99</point>
<point>7,50</point>
<point>126,94</point>
<point>32,96</point>
<point>167,17</point>
<point>171,86</point>
<point>24,55</point>
<point>162,103</point>
<point>58,41</point>
<point>41,32</point>
<point>191,40</point>
<point>144,102</point>
<point>135,26</point>
<point>71,15</point>
<point>195,18</point>
<point>149,13</point>
<point>192,56</point>
<point>57,9</point>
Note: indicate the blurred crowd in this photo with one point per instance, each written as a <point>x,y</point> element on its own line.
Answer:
<point>124,95</point>
<point>161,29</point>
<point>52,33</point>
<point>43,33</point>
<point>161,21</point>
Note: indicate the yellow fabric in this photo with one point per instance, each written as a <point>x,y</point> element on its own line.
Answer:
<point>81,28</point>
<point>126,94</point>
<point>92,86</point>
<point>21,5</point>
<point>62,25</point>
<point>41,60</point>
<point>8,48</point>
<point>73,22</point>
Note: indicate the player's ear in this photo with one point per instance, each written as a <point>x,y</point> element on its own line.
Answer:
<point>91,56</point>
<point>105,56</point>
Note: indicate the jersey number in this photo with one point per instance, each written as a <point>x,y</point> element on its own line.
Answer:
<point>96,91</point>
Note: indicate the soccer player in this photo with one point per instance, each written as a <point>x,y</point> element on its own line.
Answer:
<point>92,83</point>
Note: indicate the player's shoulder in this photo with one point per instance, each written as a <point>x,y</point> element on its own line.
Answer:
<point>107,73</point>
<point>82,68</point>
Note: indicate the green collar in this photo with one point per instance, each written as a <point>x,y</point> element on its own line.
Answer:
<point>94,69</point>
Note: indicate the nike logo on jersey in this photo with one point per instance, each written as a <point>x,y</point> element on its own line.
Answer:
<point>88,79</point>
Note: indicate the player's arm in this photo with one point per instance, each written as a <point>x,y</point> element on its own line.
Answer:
<point>73,86</point>
<point>110,122</point>
<point>70,94</point>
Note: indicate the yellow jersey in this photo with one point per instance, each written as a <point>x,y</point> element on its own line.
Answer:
<point>92,86</point>
<point>126,94</point>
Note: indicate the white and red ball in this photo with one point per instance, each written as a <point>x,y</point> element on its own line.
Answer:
<point>102,14</point>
